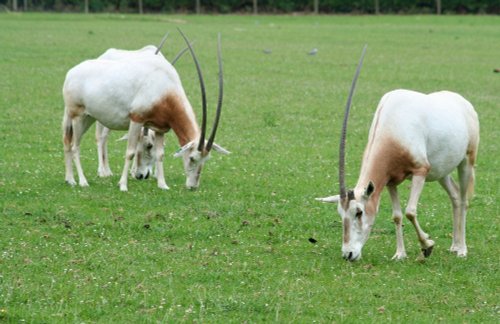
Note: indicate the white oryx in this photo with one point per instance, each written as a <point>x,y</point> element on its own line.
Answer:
<point>421,137</point>
<point>132,93</point>
<point>145,155</point>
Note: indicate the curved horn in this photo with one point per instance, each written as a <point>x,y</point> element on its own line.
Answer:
<point>343,192</point>
<point>164,39</point>
<point>219,100</point>
<point>179,55</point>
<point>203,94</point>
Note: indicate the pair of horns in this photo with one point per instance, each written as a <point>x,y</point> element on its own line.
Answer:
<point>201,144</point>
<point>189,47</point>
<point>178,56</point>
<point>343,192</point>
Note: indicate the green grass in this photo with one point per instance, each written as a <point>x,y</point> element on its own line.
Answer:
<point>237,250</point>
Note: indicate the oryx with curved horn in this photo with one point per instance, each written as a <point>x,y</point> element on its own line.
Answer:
<point>145,156</point>
<point>421,137</point>
<point>133,93</point>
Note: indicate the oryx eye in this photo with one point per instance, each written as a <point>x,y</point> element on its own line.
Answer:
<point>149,146</point>
<point>359,213</point>
<point>192,160</point>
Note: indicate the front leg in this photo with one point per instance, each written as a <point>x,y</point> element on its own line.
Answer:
<point>160,153</point>
<point>417,184</point>
<point>397,217</point>
<point>134,132</point>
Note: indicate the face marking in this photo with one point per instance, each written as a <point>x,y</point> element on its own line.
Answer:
<point>139,159</point>
<point>347,230</point>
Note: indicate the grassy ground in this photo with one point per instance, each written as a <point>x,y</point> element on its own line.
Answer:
<point>238,249</point>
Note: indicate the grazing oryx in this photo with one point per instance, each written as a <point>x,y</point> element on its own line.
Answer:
<point>132,93</point>
<point>413,136</point>
<point>145,155</point>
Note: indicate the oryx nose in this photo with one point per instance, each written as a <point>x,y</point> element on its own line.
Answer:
<point>348,257</point>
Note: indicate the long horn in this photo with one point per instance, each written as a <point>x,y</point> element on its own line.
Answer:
<point>201,144</point>
<point>179,55</point>
<point>164,39</point>
<point>343,192</point>
<point>219,100</point>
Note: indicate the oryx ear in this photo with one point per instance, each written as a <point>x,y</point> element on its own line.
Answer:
<point>331,199</point>
<point>183,149</point>
<point>220,149</point>
<point>369,190</point>
<point>123,138</point>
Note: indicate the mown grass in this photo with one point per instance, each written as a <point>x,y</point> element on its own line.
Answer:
<point>238,249</point>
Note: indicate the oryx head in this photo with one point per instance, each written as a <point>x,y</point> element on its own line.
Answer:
<point>196,153</point>
<point>356,213</point>
<point>145,155</point>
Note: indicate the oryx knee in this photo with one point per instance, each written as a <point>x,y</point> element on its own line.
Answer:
<point>411,214</point>
<point>397,219</point>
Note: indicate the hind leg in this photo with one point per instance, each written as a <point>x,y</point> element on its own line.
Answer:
<point>101,135</point>
<point>67,127</point>
<point>452,190</point>
<point>466,181</point>
<point>80,125</point>
<point>397,217</point>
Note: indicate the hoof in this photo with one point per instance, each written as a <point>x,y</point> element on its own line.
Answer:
<point>460,251</point>
<point>399,256</point>
<point>163,186</point>
<point>71,182</point>
<point>104,174</point>
<point>427,251</point>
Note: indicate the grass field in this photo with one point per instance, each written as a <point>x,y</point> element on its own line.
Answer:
<point>238,250</point>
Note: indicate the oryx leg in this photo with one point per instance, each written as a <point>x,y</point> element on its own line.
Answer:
<point>159,146</point>
<point>453,192</point>
<point>80,125</point>
<point>466,180</point>
<point>67,127</point>
<point>397,217</point>
<point>101,136</point>
<point>417,184</point>
<point>134,132</point>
